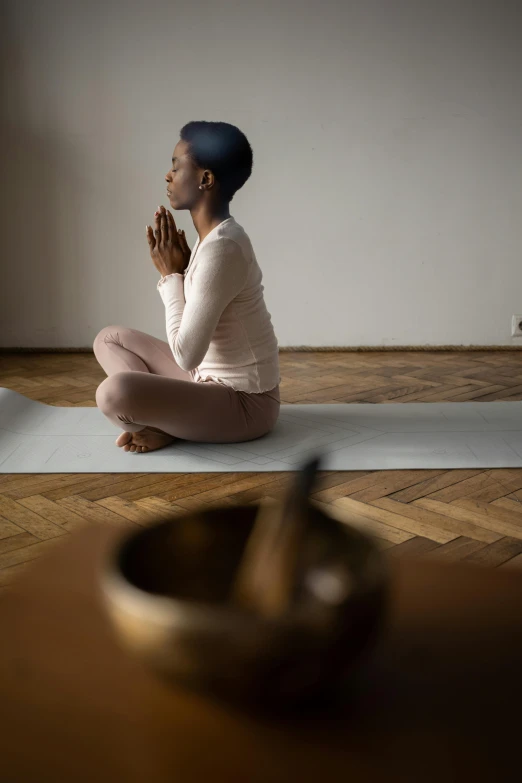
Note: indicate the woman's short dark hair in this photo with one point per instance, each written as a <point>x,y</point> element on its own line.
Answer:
<point>223,149</point>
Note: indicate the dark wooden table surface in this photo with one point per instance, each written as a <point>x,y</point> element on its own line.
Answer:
<point>440,700</point>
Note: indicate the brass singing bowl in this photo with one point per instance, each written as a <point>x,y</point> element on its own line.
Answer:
<point>168,591</point>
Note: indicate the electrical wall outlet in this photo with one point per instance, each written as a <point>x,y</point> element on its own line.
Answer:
<point>516,326</point>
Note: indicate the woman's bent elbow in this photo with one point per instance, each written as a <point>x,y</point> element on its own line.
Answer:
<point>185,363</point>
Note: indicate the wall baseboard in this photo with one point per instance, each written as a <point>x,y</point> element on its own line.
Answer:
<point>319,349</point>
<point>402,348</point>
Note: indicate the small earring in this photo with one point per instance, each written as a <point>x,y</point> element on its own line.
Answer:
<point>201,187</point>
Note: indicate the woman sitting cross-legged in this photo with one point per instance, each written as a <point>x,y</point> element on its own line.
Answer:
<point>217,378</point>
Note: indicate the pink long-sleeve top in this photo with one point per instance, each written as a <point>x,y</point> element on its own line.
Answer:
<point>218,326</point>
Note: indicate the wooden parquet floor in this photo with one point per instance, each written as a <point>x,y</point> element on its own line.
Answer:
<point>472,515</point>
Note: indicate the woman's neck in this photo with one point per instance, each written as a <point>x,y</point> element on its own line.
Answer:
<point>205,219</point>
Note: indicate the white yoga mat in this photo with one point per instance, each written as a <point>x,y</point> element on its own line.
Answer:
<point>39,438</point>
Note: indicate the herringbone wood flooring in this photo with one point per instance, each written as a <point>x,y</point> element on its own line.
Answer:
<point>473,515</point>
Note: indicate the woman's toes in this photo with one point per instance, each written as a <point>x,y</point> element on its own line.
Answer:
<point>124,438</point>
<point>147,440</point>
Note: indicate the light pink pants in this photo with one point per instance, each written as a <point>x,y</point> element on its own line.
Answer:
<point>146,387</point>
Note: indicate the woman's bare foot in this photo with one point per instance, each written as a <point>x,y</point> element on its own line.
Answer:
<point>145,440</point>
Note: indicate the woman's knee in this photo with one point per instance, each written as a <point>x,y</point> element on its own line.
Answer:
<point>114,391</point>
<point>108,333</point>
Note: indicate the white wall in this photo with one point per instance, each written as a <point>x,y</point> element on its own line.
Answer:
<point>385,205</point>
